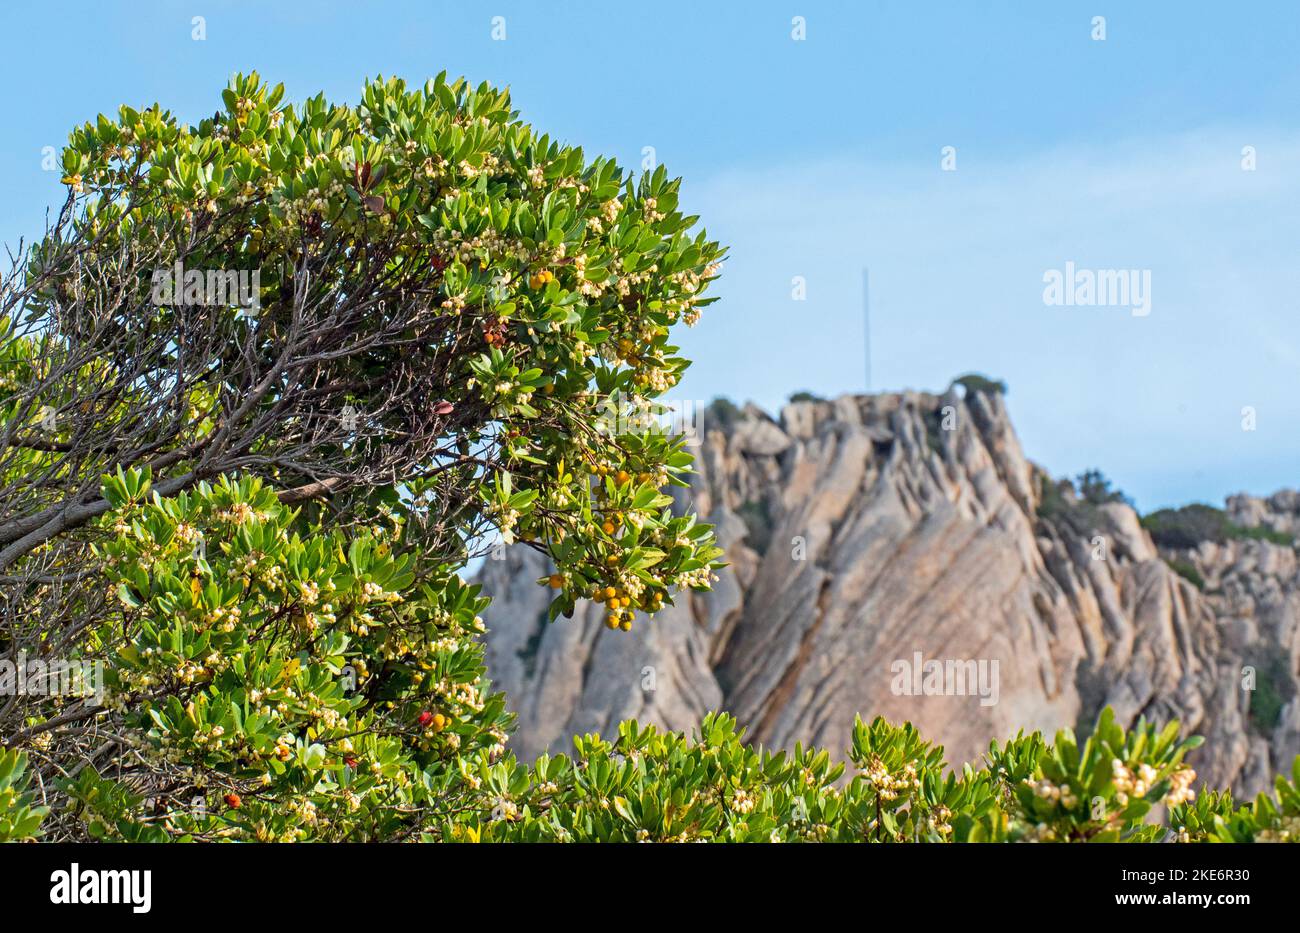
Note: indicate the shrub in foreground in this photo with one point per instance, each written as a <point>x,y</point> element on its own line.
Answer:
<point>646,785</point>
<point>272,685</point>
<point>445,331</point>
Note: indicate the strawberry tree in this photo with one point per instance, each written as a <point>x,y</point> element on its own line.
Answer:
<point>647,785</point>
<point>388,329</point>
<point>277,682</point>
<point>447,302</point>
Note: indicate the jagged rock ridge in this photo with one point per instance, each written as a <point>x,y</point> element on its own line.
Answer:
<point>863,530</point>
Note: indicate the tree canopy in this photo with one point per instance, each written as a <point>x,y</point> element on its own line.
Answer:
<point>299,356</point>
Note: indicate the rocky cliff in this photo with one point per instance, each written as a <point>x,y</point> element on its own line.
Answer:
<point>875,541</point>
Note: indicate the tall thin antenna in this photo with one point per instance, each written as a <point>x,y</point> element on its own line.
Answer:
<point>866,323</point>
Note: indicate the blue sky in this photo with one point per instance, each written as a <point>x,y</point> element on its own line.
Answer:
<point>816,158</point>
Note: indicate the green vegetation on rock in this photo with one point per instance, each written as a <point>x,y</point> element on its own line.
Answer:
<point>1189,526</point>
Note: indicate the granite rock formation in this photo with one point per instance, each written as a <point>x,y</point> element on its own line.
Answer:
<point>867,529</point>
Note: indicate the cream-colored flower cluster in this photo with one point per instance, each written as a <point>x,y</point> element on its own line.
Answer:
<point>697,579</point>
<point>1128,784</point>
<point>1181,790</point>
<point>1064,794</point>
<point>314,201</point>
<point>742,801</point>
<point>887,784</point>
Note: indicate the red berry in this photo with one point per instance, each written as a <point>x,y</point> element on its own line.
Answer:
<point>424,718</point>
<point>232,801</point>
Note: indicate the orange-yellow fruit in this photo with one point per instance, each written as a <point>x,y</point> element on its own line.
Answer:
<point>611,620</point>
<point>626,624</point>
<point>556,581</point>
<point>608,528</point>
<point>621,477</point>
<point>610,592</point>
